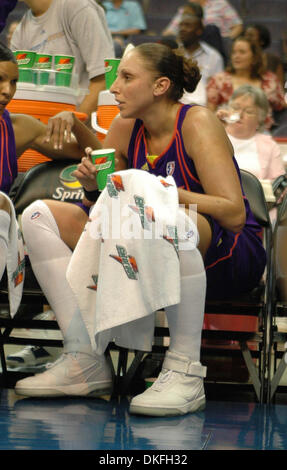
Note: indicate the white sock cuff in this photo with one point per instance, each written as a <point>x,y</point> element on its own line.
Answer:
<point>39,209</point>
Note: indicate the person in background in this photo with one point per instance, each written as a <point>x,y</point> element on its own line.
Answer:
<point>245,123</point>
<point>125,18</point>
<point>208,59</point>
<point>10,32</point>
<point>246,67</point>
<point>73,28</point>
<point>261,34</point>
<point>217,12</point>
<point>6,7</point>
<point>191,145</point>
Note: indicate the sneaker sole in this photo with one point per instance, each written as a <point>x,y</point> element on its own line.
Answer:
<point>15,364</point>
<point>69,390</point>
<point>195,405</point>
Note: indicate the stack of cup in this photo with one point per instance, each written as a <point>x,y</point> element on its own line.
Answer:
<point>63,64</point>
<point>43,63</point>
<point>37,67</point>
<point>25,61</point>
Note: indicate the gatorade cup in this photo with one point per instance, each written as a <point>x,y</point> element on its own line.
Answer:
<point>104,159</point>
<point>111,67</point>
<point>42,62</point>
<point>25,61</point>
<point>63,65</point>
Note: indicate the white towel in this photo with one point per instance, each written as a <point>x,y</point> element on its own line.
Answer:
<point>126,265</point>
<point>15,262</point>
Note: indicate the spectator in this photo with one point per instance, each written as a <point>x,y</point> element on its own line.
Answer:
<point>125,18</point>
<point>255,151</point>
<point>246,67</point>
<point>74,28</point>
<point>11,28</point>
<point>260,34</point>
<point>208,59</point>
<point>217,12</point>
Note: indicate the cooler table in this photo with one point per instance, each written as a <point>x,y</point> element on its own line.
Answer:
<point>42,103</point>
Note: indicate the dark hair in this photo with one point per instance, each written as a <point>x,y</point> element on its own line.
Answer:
<point>258,68</point>
<point>6,55</point>
<point>169,41</point>
<point>264,34</point>
<point>197,9</point>
<point>183,73</point>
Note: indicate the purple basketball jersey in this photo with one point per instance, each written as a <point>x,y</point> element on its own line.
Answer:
<point>234,262</point>
<point>8,158</point>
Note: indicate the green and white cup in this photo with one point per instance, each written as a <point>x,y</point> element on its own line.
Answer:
<point>64,65</point>
<point>25,61</point>
<point>104,160</point>
<point>111,68</point>
<point>42,62</point>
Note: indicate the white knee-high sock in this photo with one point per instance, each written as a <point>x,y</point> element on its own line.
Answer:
<point>4,237</point>
<point>49,257</point>
<point>185,319</point>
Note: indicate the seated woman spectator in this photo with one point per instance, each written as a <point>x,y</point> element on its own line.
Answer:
<point>255,151</point>
<point>246,67</point>
<point>260,34</point>
<point>217,12</point>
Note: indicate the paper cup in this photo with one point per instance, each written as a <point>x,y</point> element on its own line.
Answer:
<point>25,61</point>
<point>63,64</point>
<point>111,67</point>
<point>104,160</point>
<point>42,63</point>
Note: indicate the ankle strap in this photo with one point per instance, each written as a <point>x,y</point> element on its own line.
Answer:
<point>183,365</point>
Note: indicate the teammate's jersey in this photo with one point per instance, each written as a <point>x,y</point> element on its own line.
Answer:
<point>8,158</point>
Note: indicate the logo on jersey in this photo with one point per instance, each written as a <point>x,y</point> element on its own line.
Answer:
<point>170,167</point>
<point>128,262</point>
